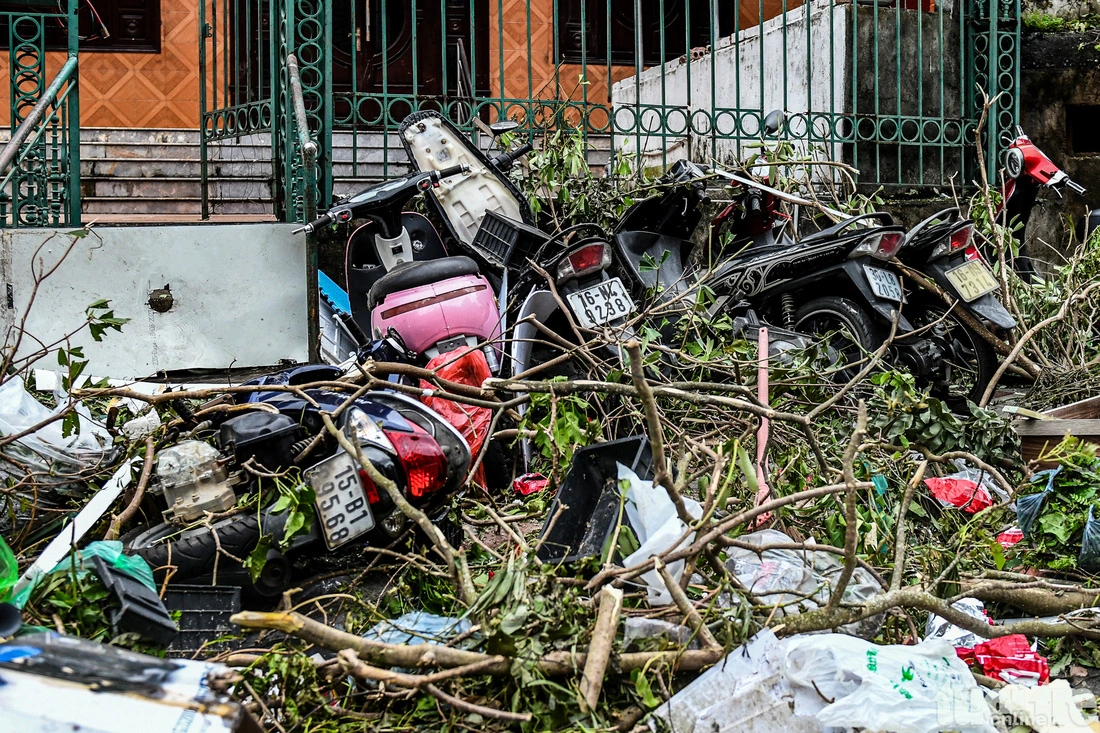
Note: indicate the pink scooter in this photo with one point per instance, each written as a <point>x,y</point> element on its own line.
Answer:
<point>400,279</point>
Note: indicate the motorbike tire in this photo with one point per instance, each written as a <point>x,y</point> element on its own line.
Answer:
<point>192,556</point>
<point>971,348</point>
<point>832,312</point>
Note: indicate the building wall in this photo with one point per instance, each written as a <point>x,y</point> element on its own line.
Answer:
<point>138,89</point>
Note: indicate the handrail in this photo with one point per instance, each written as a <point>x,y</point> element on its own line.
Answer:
<point>308,146</point>
<point>11,150</point>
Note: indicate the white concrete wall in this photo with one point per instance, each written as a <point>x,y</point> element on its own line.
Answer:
<point>810,87</point>
<point>239,294</point>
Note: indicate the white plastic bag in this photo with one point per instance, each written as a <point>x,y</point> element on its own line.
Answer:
<point>799,580</point>
<point>904,689</point>
<point>940,628</point>
<point>655,522</point>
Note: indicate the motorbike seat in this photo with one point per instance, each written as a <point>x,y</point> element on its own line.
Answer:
<point>415,274</point>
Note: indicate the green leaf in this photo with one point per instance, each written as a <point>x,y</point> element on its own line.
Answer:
<point>256,559</point>
<point>645,692</point>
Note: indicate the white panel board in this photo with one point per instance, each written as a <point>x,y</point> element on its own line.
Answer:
<point>239,294</point>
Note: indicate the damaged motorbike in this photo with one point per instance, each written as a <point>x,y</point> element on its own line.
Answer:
<point>277,486</point>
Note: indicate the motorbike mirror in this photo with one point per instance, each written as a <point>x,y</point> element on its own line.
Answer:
<point>774,121</point>
<point>503,126</point>
<point>1014,162</point>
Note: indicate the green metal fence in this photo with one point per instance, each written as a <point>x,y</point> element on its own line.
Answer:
<point>40,164</point>
<point>890,87</point>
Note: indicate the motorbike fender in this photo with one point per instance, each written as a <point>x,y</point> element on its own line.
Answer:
<point>884,308</point>
<point>988,307</point>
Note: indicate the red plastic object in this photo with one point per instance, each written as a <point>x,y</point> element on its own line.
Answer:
<point>960,492</point>
<point>530,483</point>
<point>1010,537</point>
<point>464,366</point>
<point>1010,657</point>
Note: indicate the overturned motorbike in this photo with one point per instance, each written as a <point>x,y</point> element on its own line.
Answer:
<point>278,484</point>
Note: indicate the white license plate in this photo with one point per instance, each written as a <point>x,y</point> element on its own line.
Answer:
<point>972,280</point>
<point>884,283</point>
<point>342,505</point>
<point>597,305</point>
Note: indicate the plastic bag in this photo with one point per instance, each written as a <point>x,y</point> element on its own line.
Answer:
<point>1089,557</point>
<point>1010,537</point>
<point>657,526</point>
<point>134,566</point>
<point>9,570</point>
<point>530,483</point>
<point>924,688</point>
<point>938,627</point>
<point>959,492</point>
<point>464,366</point>
<point>799,580</point>
<point>1011,658</point>
<point>418,627</point>
<point>637,628</point>
<point>1028,508</point>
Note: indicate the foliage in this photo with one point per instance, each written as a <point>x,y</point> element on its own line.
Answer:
<point>1040,21</point>
<point>295,497</point>
<point>561,424</point>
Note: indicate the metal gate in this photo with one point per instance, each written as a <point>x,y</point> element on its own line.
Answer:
<point>890,87</point>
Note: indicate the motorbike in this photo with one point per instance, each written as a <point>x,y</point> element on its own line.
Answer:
<point>942,249</point>
<point>1027,170</point>
<point>220,503</point>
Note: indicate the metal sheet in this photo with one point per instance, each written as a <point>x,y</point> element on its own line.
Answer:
<point>239,294</point>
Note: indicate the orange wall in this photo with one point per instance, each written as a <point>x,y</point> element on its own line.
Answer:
<point>138,89</point>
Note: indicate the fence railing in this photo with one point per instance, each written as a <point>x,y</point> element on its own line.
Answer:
<point>42,185</point>
<point>889,87</point>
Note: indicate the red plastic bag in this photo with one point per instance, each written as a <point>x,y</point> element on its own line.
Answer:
<point>1010,537</point>
<point>464,366</point>
<point>960,492</point>
<point>1011,659</point>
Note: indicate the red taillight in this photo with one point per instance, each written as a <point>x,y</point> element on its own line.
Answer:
<point>423,460</point>
<point>961,237</point>
<point>587,259</point>
<point>888,245</point>
<point>369,487</point>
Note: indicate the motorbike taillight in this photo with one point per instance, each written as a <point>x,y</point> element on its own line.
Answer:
<point>422,458</point>
<point>881,245</point>
<point>959,239</point>
<point>589,258</point>
<point>369,487</point>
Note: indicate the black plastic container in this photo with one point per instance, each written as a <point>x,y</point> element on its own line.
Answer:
<point>260,435</point>
<point>591,491</point>
<point>205,611</point>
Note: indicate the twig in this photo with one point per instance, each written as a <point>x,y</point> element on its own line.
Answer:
<point>694,620</point>
<point>851,532</point>
<point>139,493</point>
<point>899,541</point>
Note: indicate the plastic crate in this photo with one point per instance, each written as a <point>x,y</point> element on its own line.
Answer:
<point>505,242</point>
<point>591,491</point>
<point>205,611</point>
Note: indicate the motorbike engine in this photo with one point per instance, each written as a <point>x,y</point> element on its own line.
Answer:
<point>193,481</point>
<point>923,357</point>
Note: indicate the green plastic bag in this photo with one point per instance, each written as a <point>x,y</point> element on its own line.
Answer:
<point>111,551</point>
<point>9,570</point>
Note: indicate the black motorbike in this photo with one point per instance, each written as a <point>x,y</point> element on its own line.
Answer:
<point>223,505</point>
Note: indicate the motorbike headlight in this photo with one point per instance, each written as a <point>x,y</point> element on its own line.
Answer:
<point>1014,162</point>
<point>359,426</point>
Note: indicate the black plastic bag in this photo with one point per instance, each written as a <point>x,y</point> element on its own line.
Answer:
<point>1089,558</point>
<point>1028,508</point>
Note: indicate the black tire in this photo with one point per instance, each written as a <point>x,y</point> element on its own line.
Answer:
<point>854,327</point>
<point>970,361</point>
<point>194,555</point>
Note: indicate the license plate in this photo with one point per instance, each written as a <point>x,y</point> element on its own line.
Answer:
<point>884,283</point>
<point>597,305</point>
<point>972,280</point>
<point>342,505</point>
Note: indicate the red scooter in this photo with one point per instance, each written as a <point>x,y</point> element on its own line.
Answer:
<point>1027,169</point>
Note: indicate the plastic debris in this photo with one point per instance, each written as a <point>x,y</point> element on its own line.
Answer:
<point>9,570</point>
<point>851,683</point>
<point>1048,709</point>
<point>1009,658</point>
<point>418,627</point>
<point>1088,559</point>
<point>940,628</point>
<point>963,493</point>
<point>1028,508</point>
<point>1010,537</point>
<point>658,528</point>
<point>799,580</point>
<point>140,610</point>
<point>464,366</point>
<point>530,483</point>
<point>637,628</point>
<point>142,425</point>
<point>745,692</point>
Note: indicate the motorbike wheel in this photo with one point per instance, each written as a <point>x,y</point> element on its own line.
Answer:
<point>195,555</point>
<point>855,332</point>
<point>970,361</point>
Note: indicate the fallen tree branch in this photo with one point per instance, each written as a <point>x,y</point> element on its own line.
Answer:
<point>599,649</point>
<point>851,532</point>
<point>139,493</point>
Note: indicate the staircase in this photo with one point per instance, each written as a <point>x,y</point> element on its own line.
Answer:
<point>142,175</point>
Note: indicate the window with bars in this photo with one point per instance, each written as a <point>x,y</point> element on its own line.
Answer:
<point>105,25</point>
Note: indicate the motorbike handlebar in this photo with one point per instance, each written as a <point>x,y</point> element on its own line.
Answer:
<point>1074,186</point>
<point>454,170</point>
<point>505,161</point>
<point>320,222</point>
